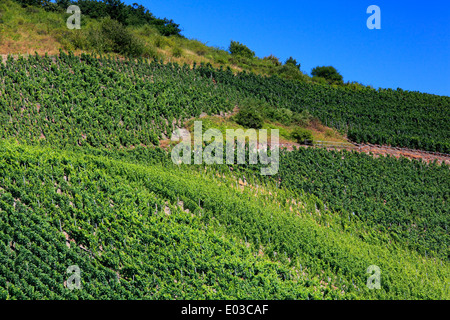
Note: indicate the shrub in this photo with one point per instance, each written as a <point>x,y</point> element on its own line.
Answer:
<point>111,36</point>
<point>150,52</point>
<point>93,39</point>
<point>239,49</point>
<point>329,73</point>
<point>302,135</point>
<point>82,40</point>
<point>177,52</point>
<point>160,42</point>
<point>249,117</point>
<point>197,46</point>
<point>274,60</point>
<point>290,71</point>
<point>201,51</point>
<point>329,133</point>
<point>293,62</point>
<point>302,119</point>
<point>123,41</point>
<point>319,80</point>
<point>283,115</point>
<point>220,60</point>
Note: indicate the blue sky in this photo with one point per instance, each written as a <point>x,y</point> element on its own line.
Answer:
<point>410,51</point>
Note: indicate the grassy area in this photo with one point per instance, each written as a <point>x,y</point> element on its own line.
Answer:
<point>318,131</point>
<point>28,30</point>
<point>224,123</point>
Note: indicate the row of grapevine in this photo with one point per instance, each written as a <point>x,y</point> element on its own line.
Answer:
<point>125,226</point>
<point>104,102</point>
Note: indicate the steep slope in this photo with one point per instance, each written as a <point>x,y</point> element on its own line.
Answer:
<point>166,232</point>
<point>107,102</point>
<point>83,182</point>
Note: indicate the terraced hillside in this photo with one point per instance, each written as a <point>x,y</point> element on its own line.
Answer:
<point>166,232</point>
<point>82,182</point>
<point>106,102</point>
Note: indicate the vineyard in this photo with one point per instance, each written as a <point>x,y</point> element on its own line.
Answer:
<point>104,102</point>
<point>83,182</point>
<point>155,232</point>
<point>402,199</point>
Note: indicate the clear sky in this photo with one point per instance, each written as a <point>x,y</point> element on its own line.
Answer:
<point>410,51</point>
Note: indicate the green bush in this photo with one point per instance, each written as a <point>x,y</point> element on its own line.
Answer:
<point>220,60</point>
<point>177,52</point>
<point>274,60</point>
<point>250,117</point>
<point>197,46</point>
<point>80,40</point>
<point>110,36</point>
<point>239,49</point>
<point>329,133</point>
<point>94,39</point>
<point>293,62</point>
<point>302,135</point>
<point>282,115</point>
<point>329,73</point>
<point>319,80</point>
<point>291,71</point>
<point>160,42</point>
<point>302,119</point>
<point>150,52</point>
<point>123,41</point>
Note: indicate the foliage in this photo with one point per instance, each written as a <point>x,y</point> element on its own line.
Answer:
<point>385,116</point>
<point>402,201</point>
<point>249,117</point>
<point>302,119</point>
<point>121,39</point>
<point>117,231</point>
<point>91,182</point>
<point>273,60</point>
<point>283,115</point>
<point>128,15</point>
<point>166,232</point>
<point>239,49</point>
<point>329,73</point>
<point>177,52</point>
<point>302,135</point>
<point>292,61</point>
<point>81,183</point>
<point>101,116</point>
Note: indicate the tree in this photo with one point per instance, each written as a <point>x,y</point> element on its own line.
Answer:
<point>329,73</point>
<point>239,49</point>
<point>63,3</point>
<point>38,3</point>
<point>292,61</point>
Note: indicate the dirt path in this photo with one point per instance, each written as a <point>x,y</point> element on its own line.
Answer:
<point>378,151</point>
